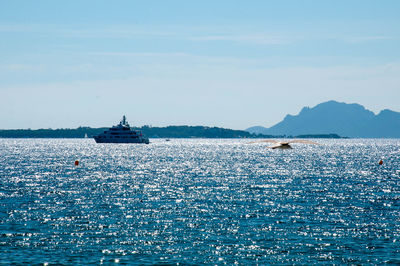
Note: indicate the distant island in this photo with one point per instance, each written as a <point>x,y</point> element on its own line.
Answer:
<point>151,132</point>
<point>351,120</point>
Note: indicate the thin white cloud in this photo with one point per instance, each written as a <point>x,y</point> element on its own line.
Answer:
<point>21,67</point>
<point>164,32</point>
<point>16,28</point>
<point>360,39</point>
<point>124,54</point>
<point>201,34</point>
<point>82,31</point>
<point>263,39</point>
<point>115,32</point>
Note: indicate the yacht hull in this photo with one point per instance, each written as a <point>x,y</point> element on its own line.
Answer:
<point>116,140</point>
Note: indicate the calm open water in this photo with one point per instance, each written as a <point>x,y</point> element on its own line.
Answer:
<point>199,201</point>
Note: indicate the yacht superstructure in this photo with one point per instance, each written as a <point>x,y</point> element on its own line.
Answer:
<point>121,133</point>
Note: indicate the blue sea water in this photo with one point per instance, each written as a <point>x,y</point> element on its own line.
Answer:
<point>199,201</point>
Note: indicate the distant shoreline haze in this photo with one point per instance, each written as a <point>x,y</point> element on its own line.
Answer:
<point>330,119</point>
<point>151,132</point>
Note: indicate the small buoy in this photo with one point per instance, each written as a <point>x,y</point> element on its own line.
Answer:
<point>380,162</point>
<point>76,162</point>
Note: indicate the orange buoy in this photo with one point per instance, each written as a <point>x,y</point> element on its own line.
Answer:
<point>380,162</point>
<point>76,162</point>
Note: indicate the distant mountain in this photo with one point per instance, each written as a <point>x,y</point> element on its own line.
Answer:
<point>350,120</point>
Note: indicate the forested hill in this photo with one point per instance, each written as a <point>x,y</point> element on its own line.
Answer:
<point>151,132</point>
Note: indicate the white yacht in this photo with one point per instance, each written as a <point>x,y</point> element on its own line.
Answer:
<point>121,133</point>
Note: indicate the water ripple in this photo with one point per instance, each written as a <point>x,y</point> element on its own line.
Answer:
<point>199,201</point>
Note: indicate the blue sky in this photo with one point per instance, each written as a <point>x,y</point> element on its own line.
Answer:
<point>231,64</point>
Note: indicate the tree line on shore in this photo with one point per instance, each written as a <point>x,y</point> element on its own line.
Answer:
<point>151,132</point>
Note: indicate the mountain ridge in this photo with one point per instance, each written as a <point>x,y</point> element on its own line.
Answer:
<point>350,120</point>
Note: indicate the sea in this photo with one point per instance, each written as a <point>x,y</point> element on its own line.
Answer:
<point>199,202</point>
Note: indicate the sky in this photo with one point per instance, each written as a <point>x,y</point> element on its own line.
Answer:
<point>231,64</point>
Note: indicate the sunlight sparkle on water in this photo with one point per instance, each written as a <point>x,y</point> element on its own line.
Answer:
<point>199,201</point>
